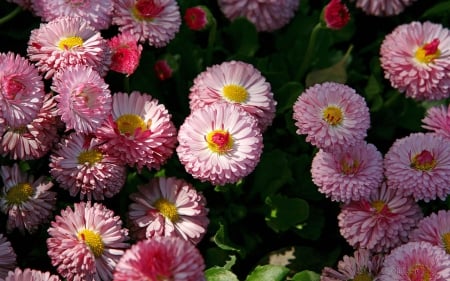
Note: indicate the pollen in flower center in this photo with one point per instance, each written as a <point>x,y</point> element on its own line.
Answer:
<point>362,276</point>
<point>219,141</point>
<point>428,52</point>
<point>146,10</point>
<point>423,161</point>
<point>235,93</point>
<point>70,42</point>
<point>91,157</point>
<point>379,206</point>
<point>19,193</point>
<point>167,209</point>
<point>446,241</point>
<point>332,115</point>
<point>349,165</point>
<point>93,240</point>
<point>419,272</point>
<point>129,123</point>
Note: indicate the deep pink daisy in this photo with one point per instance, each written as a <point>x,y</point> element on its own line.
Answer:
<point>434,229</point>
<point>383,7</point>
<point>21,90</point>
<point>419,165</point>
<point>126,53</point>
<point>416,261</point>
<point>437,120</point>
<point>161,258</point>
<point>332,116</point>
<point>335,14</point>
<point>7,257</point>
<point>415,59</point>
<point>81,167</point>
<point>348,175</point>
<point>155,21</point>
<point>238,83</point>
<point>27,202</point>
<point>86,242</point>
<point>29,274</point>
<point>68,41</point>
<point>381,222</point>
<point>84,99</point>
<point>266,15</point>
<point>198,18</point>
<point>139,132</point>
<point>220,143</point>
<point>168,207</point>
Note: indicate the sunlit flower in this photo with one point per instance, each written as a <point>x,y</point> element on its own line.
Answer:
<point>335,14</point>
<point>381,222</point>
<point>126,53</point>
<point>416,261</point>
<point>415,59</point>
<point>238,83</point>
<point>168,207</point>
<point>198,18</point>
<point>434,229</point>
<point>220,143</point>
<point>29,274</point>
<point>437,120</point>
<point>27,202</point>
<point>332,116</point>
<point>81,167</point>
<point>21,90</point>
<point>139,132</point>
<point>84,99</point>
<point>7,257</point>
<point>383,7</point>
<point>266,15</point>
<point>68,41</point>
<point>86,242</point>
<point>348,175</point>
<point>161,258</point>
<point>419,165</point>
<point>155,21</point>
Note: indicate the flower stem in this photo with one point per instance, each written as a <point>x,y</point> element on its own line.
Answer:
<point>211,40</point>
<point>309,51</point>
<point>11,15</point>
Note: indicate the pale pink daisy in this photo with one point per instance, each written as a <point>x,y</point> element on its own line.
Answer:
<point>415,58</point>
<point>84,99</point>
<point>7,257</point>
<point>81,167</point>
<point>437,120</point>
<point>419,165</point>
<point>33,140</point>
<point>383,7</point>
<point>381,222</point>
<point>161,258</point>
<point>416,261</point>
<point>238,83</point>
<point>126,53</point>
<point>27,202</point>
<point>168,207</point>
<point>332,116</point>
<point>29,274</point>
<point>434,229</point>
<point>220,143</point>
<point>350,174</point>
<point>363,265</point>
<point>266,15</point>
<point>155,21</point>
<point>86,242</point>
<point>140,131</point>
<point>68,41</point>
<point>21,90</point>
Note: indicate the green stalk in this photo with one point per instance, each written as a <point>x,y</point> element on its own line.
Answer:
<point>211,40</point>
<point>11,15</point>
<point>309,52</point>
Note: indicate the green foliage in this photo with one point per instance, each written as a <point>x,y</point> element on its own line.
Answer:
<point>268,273</point>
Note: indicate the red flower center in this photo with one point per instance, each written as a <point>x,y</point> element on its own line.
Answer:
<point>423,161</point>
<point>147,9</point>
<point>429,51</point>
<point>219,141</point>
<point>11,87</point>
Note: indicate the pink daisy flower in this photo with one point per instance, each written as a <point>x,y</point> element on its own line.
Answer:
<point>266,15</point>
<point>29,274</point>
<point>363,265</point>
<point>419,165</point>
<point>383,7</point>
<point>220,143</point>
<point>84,99</point>
<point>381,222</point>
<point>81,167</point>
<point>168,207</point>
<point>415,59</point>
<point>332,116</point>
<point>139,132</point>
<point>235,82</point>
<point>348,175</point>
<point>33,140</point>
<point>126,53</point>
<point>7,257</point>
<point>86,242</point>
<point>416,261</point>
<point>161,258</point>
<point>437,120</point>
<point>155,21</point>
<point>68,41</point>
<point>21,90</point>
<point>27,202</point>
<point>434,229</point>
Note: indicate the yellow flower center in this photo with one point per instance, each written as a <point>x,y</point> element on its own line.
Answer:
<point>235,93</point>
<point>129,123</point>
<point>19,193</point>
<point>349,165</point>
<point>146,10</point>
<point>93,240</point>
<point>91,157</point>
<point>219,141</point>
<point>423,161</point>
<point>70,42</point>
<point>419,272</point>
<point>332,115</point>
<point>428,52</point>
<point>446,241</point>
<point>362,276</point>
<point>167,209</point>
<point>379,205</point>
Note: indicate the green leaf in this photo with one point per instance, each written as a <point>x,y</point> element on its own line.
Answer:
<point>243,36</point>
<point>286,212</point>
<point>306,275</point>
<point>373,92</point>
<point>221,240</point>
<point>437,10</point>
<point>219,274</point>
<point>268,273</point>
<point>229,264</point>
<point>287,95</point>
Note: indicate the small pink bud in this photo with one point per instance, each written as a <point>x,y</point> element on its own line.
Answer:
<point>336,14</point>
<point>198,18</point>
<point>163,69</point>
